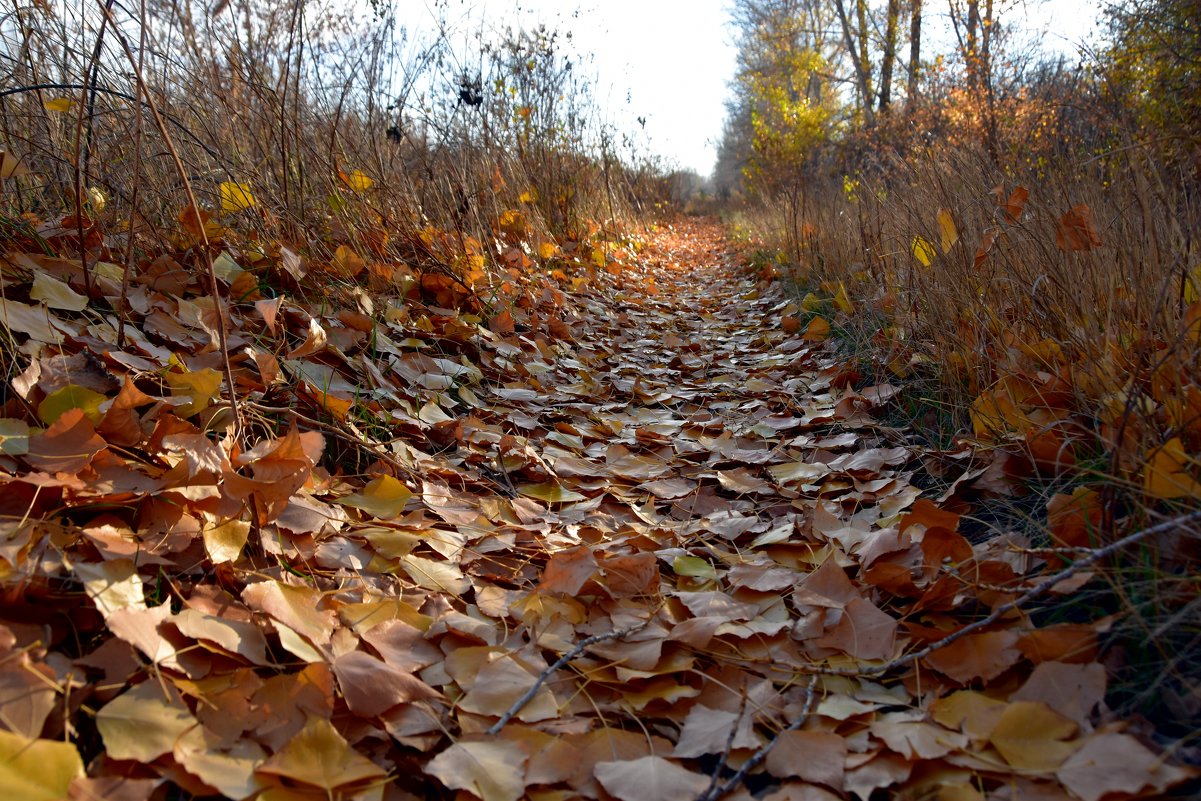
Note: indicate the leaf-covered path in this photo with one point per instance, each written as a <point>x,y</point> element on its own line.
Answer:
<point>626,538</point>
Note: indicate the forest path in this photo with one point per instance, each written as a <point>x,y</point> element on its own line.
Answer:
<point>627,535</point>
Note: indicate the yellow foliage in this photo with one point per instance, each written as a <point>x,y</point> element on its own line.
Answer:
<point>235,197</point>
<point>357,180</point>
<point>923,251</point>
<point>946,230</point>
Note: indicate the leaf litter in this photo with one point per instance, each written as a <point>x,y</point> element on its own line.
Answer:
<point>630,534</point>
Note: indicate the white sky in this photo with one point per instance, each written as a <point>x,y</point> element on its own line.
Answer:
<point>671,61</point>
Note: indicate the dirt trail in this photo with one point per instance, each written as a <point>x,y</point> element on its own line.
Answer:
<point>620,542</point>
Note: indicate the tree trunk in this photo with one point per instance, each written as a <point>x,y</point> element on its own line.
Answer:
<point>864,58</point>
<point>915,51</point>
<point>971,54</point>
<point>862,80</point>
<point>890,55</point>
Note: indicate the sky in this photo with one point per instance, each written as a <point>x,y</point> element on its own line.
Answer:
<point>671,61</point>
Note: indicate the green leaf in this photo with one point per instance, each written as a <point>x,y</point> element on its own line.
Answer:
<point>693,566</point>
<point>72,396</point>
<point>36,770</point>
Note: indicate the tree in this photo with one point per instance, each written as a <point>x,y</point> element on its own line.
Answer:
<point>1155,54</point>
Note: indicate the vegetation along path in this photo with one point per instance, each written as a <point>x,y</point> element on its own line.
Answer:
<point>636,537</point>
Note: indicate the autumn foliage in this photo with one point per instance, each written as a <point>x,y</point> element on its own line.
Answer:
<point>359,467</point>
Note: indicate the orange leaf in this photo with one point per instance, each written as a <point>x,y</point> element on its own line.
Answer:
<point>1076,230</point>
<point>976,656</point>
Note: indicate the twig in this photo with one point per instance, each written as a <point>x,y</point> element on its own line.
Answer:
<point>715,792</point>
<point>725,752</point>
<point>579,648</point>
<point>998,612</point>
<point>1029,595</point>
<point>1039,589</point>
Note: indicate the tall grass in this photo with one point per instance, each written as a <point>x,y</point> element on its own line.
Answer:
<point>327,127</point>
<point>1024,334</point>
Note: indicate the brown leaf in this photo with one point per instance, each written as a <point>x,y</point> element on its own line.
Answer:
<point>1117,763</point>
<point>650,778</point>
<point>861,630</point>
<point>67,446</point>
<point>815,756</point>
<point>1076,230</point>
<point>371,686</point>
<point>1071,690</point>
<point>567,570</point>
<point>492,771</point>
<point>976,656</point>
<point>706,731</point>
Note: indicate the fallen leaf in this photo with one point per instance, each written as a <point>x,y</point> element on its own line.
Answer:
<point>318,756</point>
<point>384,497</point>
<point>56,294</point>
<point>650,778</point>
<point>144,723</point>
<point>37,770</point>
<point>492,771</point>
<point>1116,763</point>
<point>815,756</point>
<point>1032,736</point>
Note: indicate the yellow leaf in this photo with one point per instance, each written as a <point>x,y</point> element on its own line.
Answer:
<point>112,585</point>
<point>1030,735</point>
<point>547,250</point>
<point>144,723</point>
<point>357,180</point>
<point>528,196</point>
<point>549,492</point>
<point>224,542</point>
<point>202,386</point>
<point>14,437</point>
<point>59,104</point>
<point>693,566</point>
<point>1165,476</point>
<point>434,575</point>
<point>235,197</point>
<point>384,497</point>
<point>841,301</point>
<point>817,330</point>
<point>1192,284</point>
<point>56,294</point>
<point>72,396</point>
<point>11,166</point>
<point>811,302</point>
<point>923,251</point>
<point>37,770</point>
<point>318,756</point>
<point>97,199</point>
<point>946,230</point>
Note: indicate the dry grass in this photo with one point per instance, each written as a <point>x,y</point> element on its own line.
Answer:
<point>128,117</point>
<point>1085,362</point>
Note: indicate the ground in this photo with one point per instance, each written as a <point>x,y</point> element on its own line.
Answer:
<point>622,534</point>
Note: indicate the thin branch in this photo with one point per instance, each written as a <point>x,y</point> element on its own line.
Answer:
<point>725,753</point>
<point>579,648</point>
<point>1017,603</point>
<point>716,792</point>
<point>1034,592</point>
